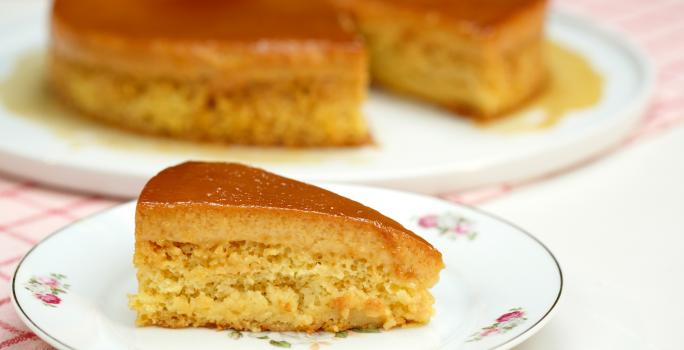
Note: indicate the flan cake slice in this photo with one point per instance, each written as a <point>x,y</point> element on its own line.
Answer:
<point>229,246</point>
<point>481,58</point>
<point>254,72</point>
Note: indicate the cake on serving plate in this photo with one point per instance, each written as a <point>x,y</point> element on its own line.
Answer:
<point>481,58</point>
<point>258,72</point>
<point>229,246</point>
<point>289,73</point>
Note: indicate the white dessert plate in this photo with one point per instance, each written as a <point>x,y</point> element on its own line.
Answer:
<point>499,287</point>
<point>418,147</point>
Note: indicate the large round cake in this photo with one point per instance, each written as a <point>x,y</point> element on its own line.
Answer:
<point>289,72</point>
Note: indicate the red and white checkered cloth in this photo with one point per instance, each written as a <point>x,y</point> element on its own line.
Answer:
<point>29,212</point>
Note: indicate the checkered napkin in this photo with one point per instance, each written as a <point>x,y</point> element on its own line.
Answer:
<point>29,212</point>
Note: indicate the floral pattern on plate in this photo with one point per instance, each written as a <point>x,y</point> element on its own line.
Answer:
<point>449,224</point>
<point>497,290</point>
<point>314,341</point>
<point>504,323</point>
<point>47,288</point>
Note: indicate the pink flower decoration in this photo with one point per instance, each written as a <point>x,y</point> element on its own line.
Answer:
<point>428,221</point>
<point>461,229</point>
<point>509,316</point>
<point>49,281</point>
<point>49,298</point>
<point>513,318</point>
<point>489,331</point>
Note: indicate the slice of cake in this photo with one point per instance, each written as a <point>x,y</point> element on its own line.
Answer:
<point>257,72</point>
<point>229,246</point>
<point>481,58</point>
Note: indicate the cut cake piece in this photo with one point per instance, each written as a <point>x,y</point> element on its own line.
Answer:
<point>481,58</point>
<point>230,246</point>
<point>254,72</point>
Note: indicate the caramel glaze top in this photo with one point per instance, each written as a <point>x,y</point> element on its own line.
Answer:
<point>210,20</point>
<point>479,13</point>
<point>237,185</point>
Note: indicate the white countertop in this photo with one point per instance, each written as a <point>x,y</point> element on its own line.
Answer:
<point>617,228</point>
